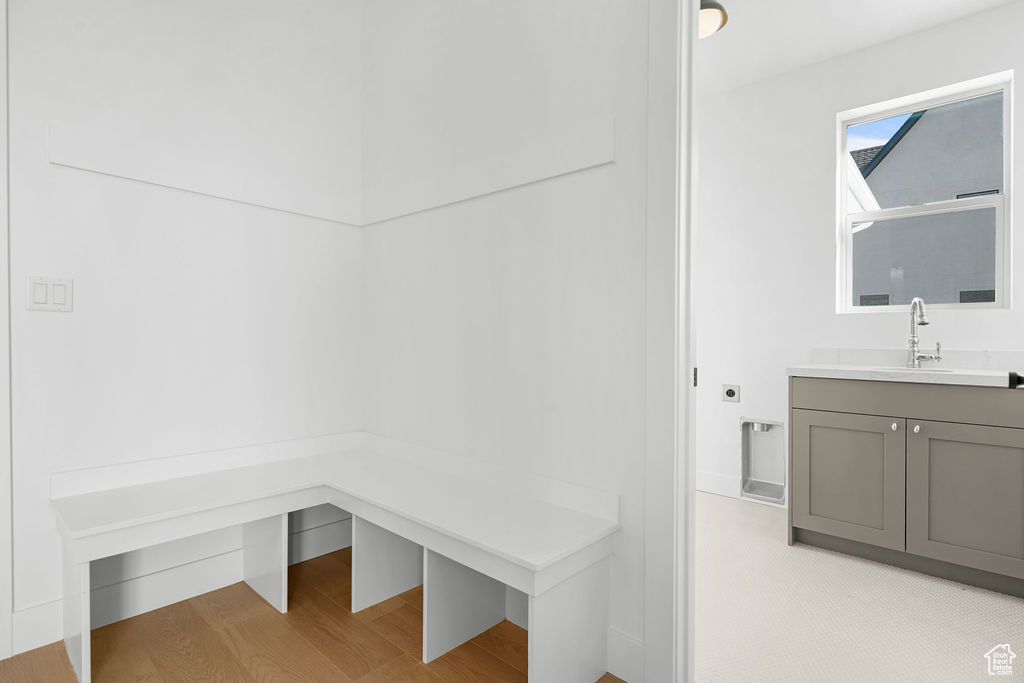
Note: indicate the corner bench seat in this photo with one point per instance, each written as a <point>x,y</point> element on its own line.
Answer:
<point>464,539</point>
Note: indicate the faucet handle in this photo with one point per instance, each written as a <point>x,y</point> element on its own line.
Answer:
<point>938,351</point>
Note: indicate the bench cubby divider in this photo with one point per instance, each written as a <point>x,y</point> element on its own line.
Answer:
<point>383,564</point>
<point>77,617</point>
<point>265,559</point>
<point>459,603</point>
<point>568,631</point>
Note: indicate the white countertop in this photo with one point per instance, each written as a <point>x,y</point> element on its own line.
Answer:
<point>929,373</point>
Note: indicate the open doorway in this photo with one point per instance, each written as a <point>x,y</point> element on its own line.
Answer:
<point>911,584</point>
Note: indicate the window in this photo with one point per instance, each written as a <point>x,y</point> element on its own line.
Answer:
<point>923,199</point>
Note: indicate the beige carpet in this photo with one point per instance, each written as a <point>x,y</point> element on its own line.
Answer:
<point>770,612</point>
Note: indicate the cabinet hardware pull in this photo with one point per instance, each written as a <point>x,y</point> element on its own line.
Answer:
<point>917,429</point>
<point>894,427</point>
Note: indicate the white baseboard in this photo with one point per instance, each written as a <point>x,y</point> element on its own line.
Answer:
<point>712,482</point>
<point>625,656</point>
<point>153,591</point>
<point>37,626</point>
<point>137,582</point>
<point>517,607</point>
<point>155,559</point>
<point>309,543</point>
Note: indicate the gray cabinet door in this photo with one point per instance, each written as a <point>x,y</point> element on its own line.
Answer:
<point>849,476</point>
<point>965,495</point>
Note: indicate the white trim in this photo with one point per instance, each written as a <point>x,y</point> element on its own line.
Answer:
<point>6,491</point>
<point>41,624</point>
<point>945,206</point>
<point>517,607</point>
<point>1001,82</point>
<point>668,633</point>
<point>309,543</point>
<point>625,656</point>
<point>718,484</point>
<point>928,99</point>
<point>686,416</point>
<point>37,626</point>
<point>142,594</point>
<point>103,477</point>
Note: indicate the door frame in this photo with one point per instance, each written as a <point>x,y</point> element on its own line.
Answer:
<point>669,454</point>
<point>6,483</point>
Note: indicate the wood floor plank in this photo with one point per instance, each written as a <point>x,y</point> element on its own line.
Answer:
<point>469,663</point>
<point>273,652</point>
<point>183,647</point>
<point>230,605</point>
<point>234,636</point>
<point>127,668</point>
<point>404,628</point>
<point>350,643</point>
<point>507,642</point>
<point>329,574</point>
<point>403,669</point>
<point>115,657</point>
<point>381,608</point>
<point>414,597</point>
<point>49,663</point>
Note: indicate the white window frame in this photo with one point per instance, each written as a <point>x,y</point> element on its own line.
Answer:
<point>987,85</point>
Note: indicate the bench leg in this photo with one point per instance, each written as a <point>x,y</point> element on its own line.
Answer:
<point>265,559</point>
<point>77,618</point>
<point>568,632</point>
<point>459,603</point>
<point>383,564</point>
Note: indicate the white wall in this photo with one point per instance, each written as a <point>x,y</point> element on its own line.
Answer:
<point>765,232</point>
<point>494,309</point>
<point>200,323</point>
<point>510,327</point>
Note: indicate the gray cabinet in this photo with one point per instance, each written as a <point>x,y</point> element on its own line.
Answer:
<point>848,476</point>
<point>928,477</point>
<point>965,495</point>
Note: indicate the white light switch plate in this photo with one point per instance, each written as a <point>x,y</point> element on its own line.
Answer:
<point>49,294</point>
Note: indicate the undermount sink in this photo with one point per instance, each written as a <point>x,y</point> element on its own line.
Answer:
<point>903,368</point>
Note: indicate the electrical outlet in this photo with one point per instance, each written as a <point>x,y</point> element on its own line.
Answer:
<point>731,392</point>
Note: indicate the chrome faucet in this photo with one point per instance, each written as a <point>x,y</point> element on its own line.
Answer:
<point>918,316</point>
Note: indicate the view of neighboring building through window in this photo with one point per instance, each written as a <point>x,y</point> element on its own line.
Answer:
<point>924,205</point>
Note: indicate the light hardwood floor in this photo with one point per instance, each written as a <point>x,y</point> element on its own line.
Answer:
<point>233,635</point>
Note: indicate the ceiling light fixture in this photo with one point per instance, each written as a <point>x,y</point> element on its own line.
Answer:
<point>712,18</point>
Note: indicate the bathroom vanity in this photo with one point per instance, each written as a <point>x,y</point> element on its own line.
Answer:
<point>919,468</point>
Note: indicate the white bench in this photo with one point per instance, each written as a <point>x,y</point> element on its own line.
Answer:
<point>463,539</point>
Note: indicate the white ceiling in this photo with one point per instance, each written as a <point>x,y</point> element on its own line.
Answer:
<point>766,38</point>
